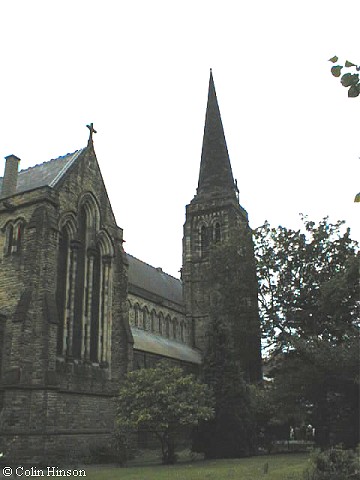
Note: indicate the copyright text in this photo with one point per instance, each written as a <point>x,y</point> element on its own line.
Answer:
<point>43,472</point>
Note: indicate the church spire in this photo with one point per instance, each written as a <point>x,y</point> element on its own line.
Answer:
<point>215,170</point>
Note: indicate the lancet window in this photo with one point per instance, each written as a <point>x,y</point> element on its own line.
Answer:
<point>14,234</point>
<point>84,286</point>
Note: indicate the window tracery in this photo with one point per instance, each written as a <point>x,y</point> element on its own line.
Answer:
<point>84,286</point>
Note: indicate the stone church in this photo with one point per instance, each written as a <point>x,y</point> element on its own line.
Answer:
<point>77,311</point>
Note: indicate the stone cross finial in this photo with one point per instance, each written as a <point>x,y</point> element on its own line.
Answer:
<point>92,131</point>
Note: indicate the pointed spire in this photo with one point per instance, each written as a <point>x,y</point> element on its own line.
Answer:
<point>215,169</point>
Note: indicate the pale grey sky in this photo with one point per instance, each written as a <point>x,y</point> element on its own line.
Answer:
<point>139,70</point>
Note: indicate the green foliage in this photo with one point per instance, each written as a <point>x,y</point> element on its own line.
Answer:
<point>161,400</point>
<point>231,433</point>
<point>266,414</point>
<point>336,71</point>
<point>233,302</point>
<point>231,351</point>
<point>348,80</point>
<point>309,291</point>
<point>116,451</point>
<point>309,282</point>
<point>334,464</point>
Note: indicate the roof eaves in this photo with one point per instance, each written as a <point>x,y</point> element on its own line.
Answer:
<point>158,345</point>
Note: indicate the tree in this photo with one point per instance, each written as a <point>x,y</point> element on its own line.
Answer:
<point>231,433</point>
<point>309,302</point>
<point>232,356</point>
<point>308,282</point>
<point>161,400</point>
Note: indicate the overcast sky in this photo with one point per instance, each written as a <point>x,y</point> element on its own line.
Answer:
<point>139,70</point>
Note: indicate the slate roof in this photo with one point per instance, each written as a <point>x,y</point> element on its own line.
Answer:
<point>148,342</point>
<point>154,280</point>
<point>45,174</point>
<point>215,168</point>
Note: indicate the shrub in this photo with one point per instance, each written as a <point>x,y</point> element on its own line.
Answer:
<point>116,451</point>
<point>333,464</point>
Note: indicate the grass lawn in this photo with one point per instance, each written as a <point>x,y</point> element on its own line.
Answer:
<point>280,467</point>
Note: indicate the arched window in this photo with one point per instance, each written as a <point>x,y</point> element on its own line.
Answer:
<point>84,288</point>
<point>137,314</point>
<point>65,286</point>
<point>217,232</point>
<point>152,320</point>
<point>79,326</point>
<point>204,240</point>
<point>175,327</point>
<point>161,323</point>
<point>62,274</point>
<point>167,326</point>
<point>130,310</point>
<point>182,331</point>
<point>9,239</point>
<point>94,301</point>
<point>14,237</point>
<point>18,234</point>
<point>146,319</point>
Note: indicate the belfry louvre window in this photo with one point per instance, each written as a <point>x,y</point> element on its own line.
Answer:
<point>84,287</point>
<point>217,232</point>
<point>204,240</point>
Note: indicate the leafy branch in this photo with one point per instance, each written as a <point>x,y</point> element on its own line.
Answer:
<point>349,79</point>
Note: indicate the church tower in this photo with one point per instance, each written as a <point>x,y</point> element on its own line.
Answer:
<point>215,221</point>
